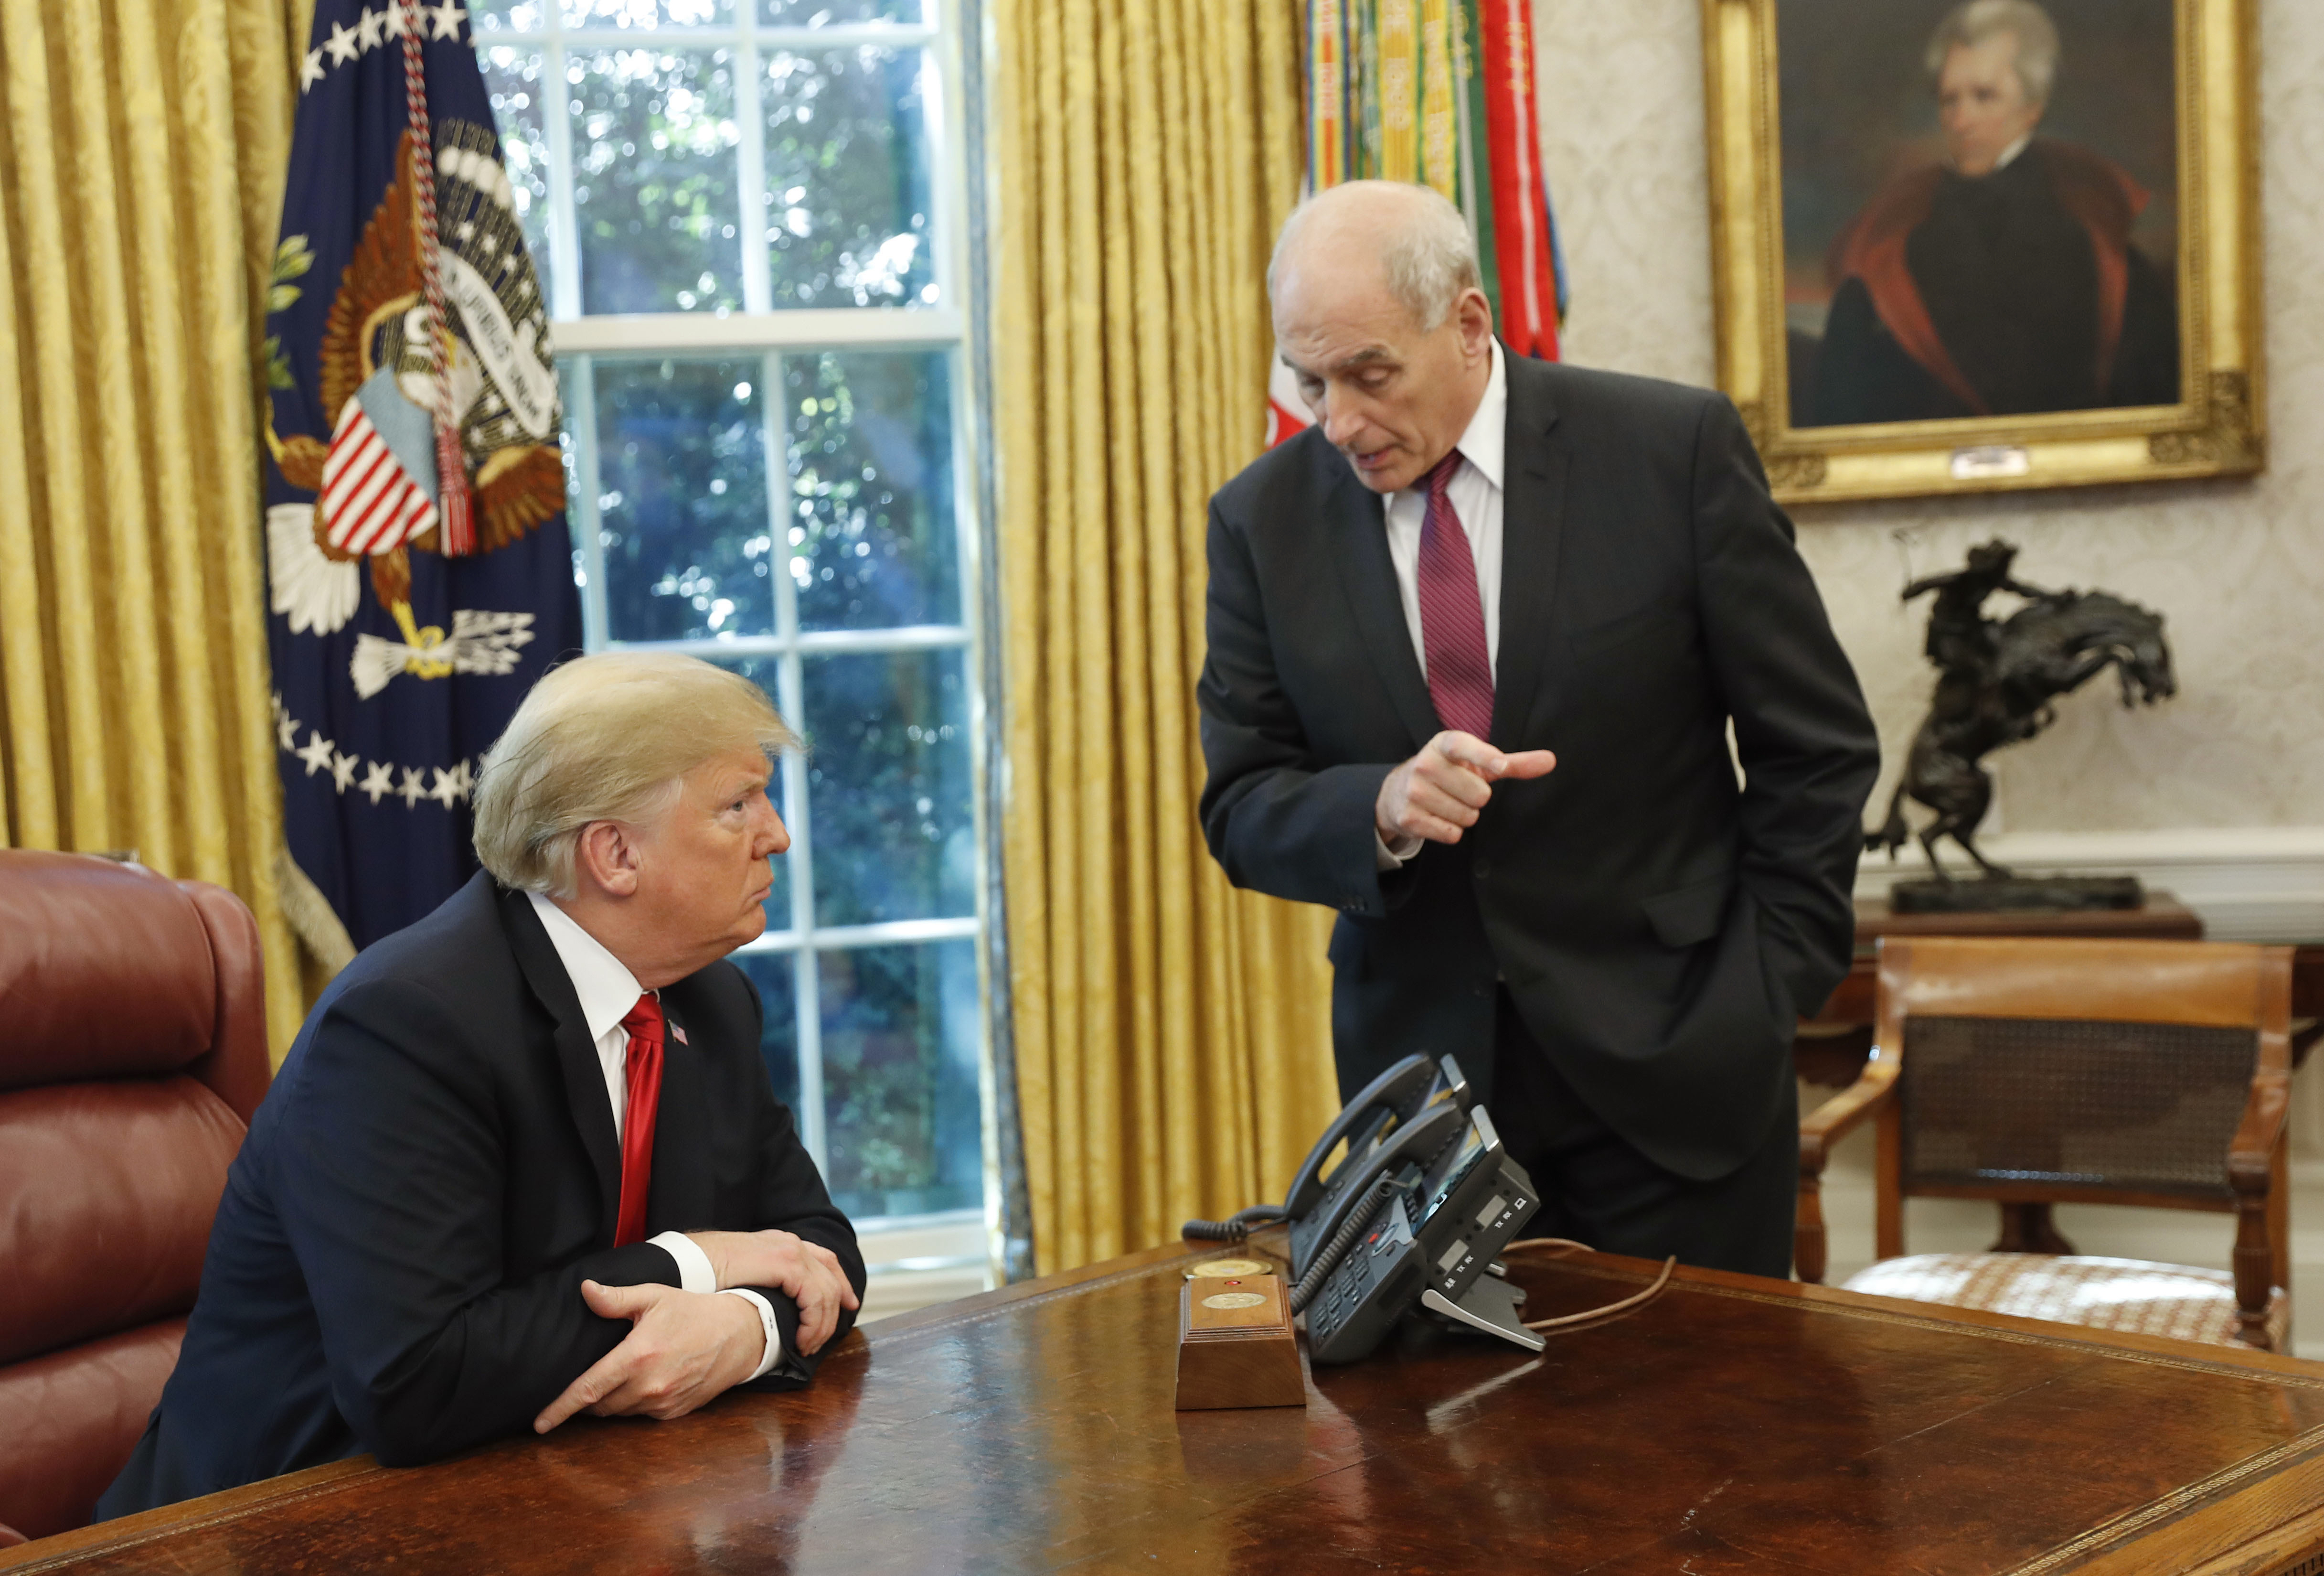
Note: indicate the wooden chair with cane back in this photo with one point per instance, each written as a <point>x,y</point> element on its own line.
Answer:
<point>2034,1072</point>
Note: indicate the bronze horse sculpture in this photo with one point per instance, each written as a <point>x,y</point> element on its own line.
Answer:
<point>1997,681</point>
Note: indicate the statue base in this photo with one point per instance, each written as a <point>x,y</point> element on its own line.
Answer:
<point>2005,893</point>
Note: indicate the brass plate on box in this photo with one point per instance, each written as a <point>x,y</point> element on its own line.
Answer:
<point>1220,1269</point>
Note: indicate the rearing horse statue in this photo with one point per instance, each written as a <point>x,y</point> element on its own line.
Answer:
<point>1996,679</point>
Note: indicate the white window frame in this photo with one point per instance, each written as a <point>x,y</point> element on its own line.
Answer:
<point>912,1259</point>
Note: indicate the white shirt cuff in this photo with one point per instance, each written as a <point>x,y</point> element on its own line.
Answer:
<point>1392,855</point>
<point>694,1271</point>
<point>774,1353</point>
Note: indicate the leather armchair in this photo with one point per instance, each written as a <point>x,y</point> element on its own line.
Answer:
<point>132,1053</point>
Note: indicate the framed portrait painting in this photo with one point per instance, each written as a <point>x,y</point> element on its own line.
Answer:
<point>1969,245</point>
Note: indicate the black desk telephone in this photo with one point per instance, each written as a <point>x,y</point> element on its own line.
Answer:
<point>1416,1211</point>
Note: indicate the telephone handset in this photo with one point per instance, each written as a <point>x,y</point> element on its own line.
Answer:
<point>1422,1129</point>
<point>1379,1116</point>
<point>1393,1097</point>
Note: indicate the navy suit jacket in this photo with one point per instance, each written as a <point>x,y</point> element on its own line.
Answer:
<point>396,1264</point>
<point>1658,926</point>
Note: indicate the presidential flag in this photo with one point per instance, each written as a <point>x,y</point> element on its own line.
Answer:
<point>1438,92</point>
<point>419,577</point>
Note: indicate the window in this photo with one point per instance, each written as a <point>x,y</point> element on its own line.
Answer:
<point>748,219</point>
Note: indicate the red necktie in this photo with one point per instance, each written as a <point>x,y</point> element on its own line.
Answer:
<point>1452,614</point>
<point>643,1071</point>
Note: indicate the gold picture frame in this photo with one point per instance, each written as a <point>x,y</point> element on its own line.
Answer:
<point>2216,428</point>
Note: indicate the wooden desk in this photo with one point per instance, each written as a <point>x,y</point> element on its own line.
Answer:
<point>1737,1426</point>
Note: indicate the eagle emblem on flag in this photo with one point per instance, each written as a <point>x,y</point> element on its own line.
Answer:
<point>377,479</point>
<point>419,573</point>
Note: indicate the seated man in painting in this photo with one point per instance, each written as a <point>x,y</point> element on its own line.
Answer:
<point>2003,283</point>
<point>524,1159</point>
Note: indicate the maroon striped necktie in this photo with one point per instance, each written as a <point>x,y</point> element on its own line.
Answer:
<point>1452,614</point>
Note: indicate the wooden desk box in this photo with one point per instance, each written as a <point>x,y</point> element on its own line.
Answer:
<point>1236,1346</point>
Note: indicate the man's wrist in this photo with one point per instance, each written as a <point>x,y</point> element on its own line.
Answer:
<point>772,1353</point>
<point>1392,853</point>
<point>697,1270</point>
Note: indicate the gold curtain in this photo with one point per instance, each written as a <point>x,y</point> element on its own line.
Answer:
<point>142,146</point>
<point>1172,1037</point>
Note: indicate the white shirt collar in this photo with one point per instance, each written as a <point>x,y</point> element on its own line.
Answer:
<point>606,989</point>
<point>2009,154</point>
<point>1487,439</point>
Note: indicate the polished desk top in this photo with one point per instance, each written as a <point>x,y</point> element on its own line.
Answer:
<point>1735,1426</point>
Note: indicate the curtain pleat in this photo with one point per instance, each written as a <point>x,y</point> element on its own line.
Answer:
<point>1173,1036</point>
<point>141,152</point>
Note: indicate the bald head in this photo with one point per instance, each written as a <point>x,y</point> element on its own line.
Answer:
<point>1379,315</point>
<point>1418,242</point>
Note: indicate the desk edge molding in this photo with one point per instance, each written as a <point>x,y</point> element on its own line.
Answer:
<point>147,1527</point>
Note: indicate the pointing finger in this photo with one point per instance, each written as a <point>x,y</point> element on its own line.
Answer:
<point>602,1379</point>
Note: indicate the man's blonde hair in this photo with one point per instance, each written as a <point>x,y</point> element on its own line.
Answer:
<point>606,737</point>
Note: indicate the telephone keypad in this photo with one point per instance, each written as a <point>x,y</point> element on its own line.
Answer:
<point>1346,1320</point>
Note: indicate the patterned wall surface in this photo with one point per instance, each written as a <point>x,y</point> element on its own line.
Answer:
<point>2236,567</point>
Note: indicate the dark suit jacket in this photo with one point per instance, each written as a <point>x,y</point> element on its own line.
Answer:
<point>1657,927</point>
<point>396,1264</point>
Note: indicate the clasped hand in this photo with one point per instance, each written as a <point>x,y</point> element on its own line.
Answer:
<point>808,1273</point>
<point>684,1348</point>
<point>1439,792</point>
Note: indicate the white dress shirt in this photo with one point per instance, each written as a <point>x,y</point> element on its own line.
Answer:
<point>1475,494</point>
<point>607,990</point>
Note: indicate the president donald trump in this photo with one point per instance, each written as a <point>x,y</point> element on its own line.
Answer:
<point>523,1160</point>
<point>1477,639</point>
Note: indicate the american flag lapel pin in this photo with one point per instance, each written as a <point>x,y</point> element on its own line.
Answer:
<point>679,1034</point>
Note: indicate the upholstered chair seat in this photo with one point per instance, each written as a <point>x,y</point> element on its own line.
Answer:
<point>2129,1294</point>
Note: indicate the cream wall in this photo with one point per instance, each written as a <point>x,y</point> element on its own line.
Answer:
<point>2218,792</point>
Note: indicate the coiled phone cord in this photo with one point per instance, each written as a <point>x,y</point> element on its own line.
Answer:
<point>1234,1227</point>
<point>1328,1259</point>
<point>1592,1315</point>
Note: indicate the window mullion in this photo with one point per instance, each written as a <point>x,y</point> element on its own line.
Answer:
<point>564,219</point>
<point>790,684</point>
<point>581,418</point>
<point>751,169</point>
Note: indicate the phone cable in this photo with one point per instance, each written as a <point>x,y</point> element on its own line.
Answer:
<point>1328,1258</point>
<point>1592,1315</point>
<point>1235,1226</point>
